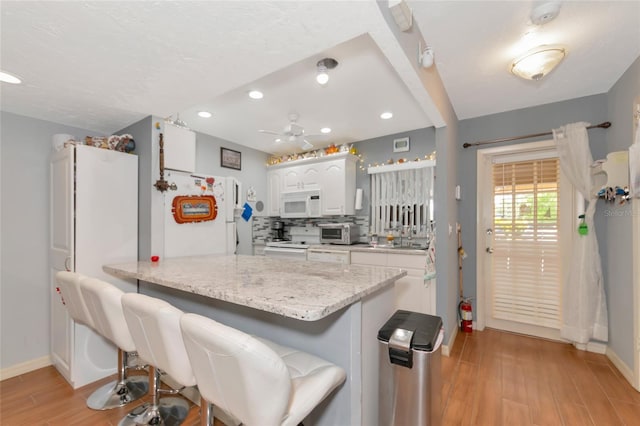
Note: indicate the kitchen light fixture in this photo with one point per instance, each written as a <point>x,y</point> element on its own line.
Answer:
<point>9,78</point>
<point>538,62</point>
<point>256,94</point>
<point>323,65</point>
<point>386,115</point>
<point>325,130</point>
<point>425,56</point>
<point>204,114</point>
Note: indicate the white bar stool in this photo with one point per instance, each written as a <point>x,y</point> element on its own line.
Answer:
<point>254,380</point>
<point>155,327</point>
<point>123,390</point>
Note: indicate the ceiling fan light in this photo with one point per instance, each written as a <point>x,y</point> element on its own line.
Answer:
<point>538,62</point>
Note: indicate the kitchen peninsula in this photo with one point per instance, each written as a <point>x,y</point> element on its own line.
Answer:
<point>333,311</point>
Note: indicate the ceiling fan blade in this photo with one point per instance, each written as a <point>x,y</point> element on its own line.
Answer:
<point>271,132</point>
<point>306,144</point>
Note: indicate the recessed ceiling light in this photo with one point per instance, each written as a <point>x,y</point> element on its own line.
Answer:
<point>325,130</point>
<point>9,78</point>
<point>386,115</point>
<point>278,140</point>
<point>256,94</point>
<point>204,114</point>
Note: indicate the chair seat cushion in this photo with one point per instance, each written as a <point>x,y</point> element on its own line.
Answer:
<point>313,378</point>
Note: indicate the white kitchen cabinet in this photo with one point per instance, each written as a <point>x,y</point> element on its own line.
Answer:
<point>179,148</point>
<point>303,177</point>
<point>412,292</point>
<point>338,179</point>
<point>334,175</point>
<point>274,189</point>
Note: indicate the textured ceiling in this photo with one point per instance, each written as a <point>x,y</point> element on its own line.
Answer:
<point>105,65</point>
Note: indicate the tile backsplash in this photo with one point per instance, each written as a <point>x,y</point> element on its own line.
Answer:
<point>261,226</point>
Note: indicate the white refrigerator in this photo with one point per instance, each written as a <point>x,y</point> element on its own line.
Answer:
<point>93,221</point>
<point>199,216</point>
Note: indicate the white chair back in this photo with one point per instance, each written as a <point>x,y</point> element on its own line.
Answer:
<point>104,302</point>
<point>69,285</point>
<point>155,327</point>
<point>237,372</point>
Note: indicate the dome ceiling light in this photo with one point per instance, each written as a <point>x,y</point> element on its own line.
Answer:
<point>537,62</point>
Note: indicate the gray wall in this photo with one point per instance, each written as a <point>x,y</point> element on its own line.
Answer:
<point>379,150</point>
<point>253,174</point>
<point>617,224</point>
<point>25,291</point>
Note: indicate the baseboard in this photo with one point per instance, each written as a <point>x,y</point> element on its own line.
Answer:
<point>446,349</point>
<point>595,347</point>
<point>24,367</point>
<point>624,369</point>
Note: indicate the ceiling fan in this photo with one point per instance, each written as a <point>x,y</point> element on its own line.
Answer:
<point>292,133</point>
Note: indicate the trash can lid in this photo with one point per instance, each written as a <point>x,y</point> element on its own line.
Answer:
<point>425,328</point>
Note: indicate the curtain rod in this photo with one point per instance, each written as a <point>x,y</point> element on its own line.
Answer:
<point>604,125</point>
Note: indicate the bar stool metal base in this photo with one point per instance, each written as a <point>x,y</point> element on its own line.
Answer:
<point>118,393</point>
<point>170,411</point>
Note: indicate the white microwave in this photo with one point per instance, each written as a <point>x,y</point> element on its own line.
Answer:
<point>300,204</point>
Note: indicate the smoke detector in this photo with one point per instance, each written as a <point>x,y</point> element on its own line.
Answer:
<point>545,13</point>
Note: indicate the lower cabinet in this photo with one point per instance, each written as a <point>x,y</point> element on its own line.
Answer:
<point>412,292</point>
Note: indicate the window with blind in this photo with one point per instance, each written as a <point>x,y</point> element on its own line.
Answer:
<point>526,261</point>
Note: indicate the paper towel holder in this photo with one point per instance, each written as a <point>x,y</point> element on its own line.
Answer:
<point>358,199</point>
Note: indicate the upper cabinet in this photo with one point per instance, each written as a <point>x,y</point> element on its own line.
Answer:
<point>179,148</point>
<point>334,175</point>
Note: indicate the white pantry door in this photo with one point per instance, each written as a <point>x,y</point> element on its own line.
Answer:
<point>524,220</point>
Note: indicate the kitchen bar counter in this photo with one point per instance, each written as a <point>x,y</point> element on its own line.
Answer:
<point>307,291</point>
<point>366,248</point>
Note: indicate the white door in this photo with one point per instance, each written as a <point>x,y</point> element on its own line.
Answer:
<point>61,241</point>
<point>524,225</point>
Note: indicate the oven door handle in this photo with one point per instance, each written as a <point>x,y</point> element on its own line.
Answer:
<point>283,250</point>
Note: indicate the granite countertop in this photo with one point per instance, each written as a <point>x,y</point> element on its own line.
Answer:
<point>302,290</point>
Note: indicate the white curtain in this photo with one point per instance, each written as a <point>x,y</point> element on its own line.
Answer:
<point>584,305</point>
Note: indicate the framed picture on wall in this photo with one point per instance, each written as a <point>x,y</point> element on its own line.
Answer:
<point>230,159</point>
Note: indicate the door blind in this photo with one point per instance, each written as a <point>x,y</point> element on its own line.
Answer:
<point>526,267</point>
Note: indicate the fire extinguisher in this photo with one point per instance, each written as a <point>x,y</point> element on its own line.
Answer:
<point>466,315</point>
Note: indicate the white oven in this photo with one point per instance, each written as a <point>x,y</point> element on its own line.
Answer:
<point>286,249</point>
<point>328,255</point>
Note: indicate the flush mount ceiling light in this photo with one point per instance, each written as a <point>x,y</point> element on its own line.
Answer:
<point>9,78</point>
<point>323,65</point>
<point>538,62</point>
<point>204,114</point>
<point>256,94</point>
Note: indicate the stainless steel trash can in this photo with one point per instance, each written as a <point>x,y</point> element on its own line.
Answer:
<point>410,370</point>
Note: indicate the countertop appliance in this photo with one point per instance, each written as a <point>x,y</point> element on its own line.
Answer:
<point>199,217</point>
<point>339,233</point>
<point>277,226</point>
<point>301,238</point>
<point>94,221</point>
<point>300,204</point>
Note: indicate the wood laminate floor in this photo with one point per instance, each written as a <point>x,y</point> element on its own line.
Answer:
<point>491,378</point>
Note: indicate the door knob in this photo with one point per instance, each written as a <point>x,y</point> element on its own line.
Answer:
<point>489,231</point>
<point>489,250</point>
